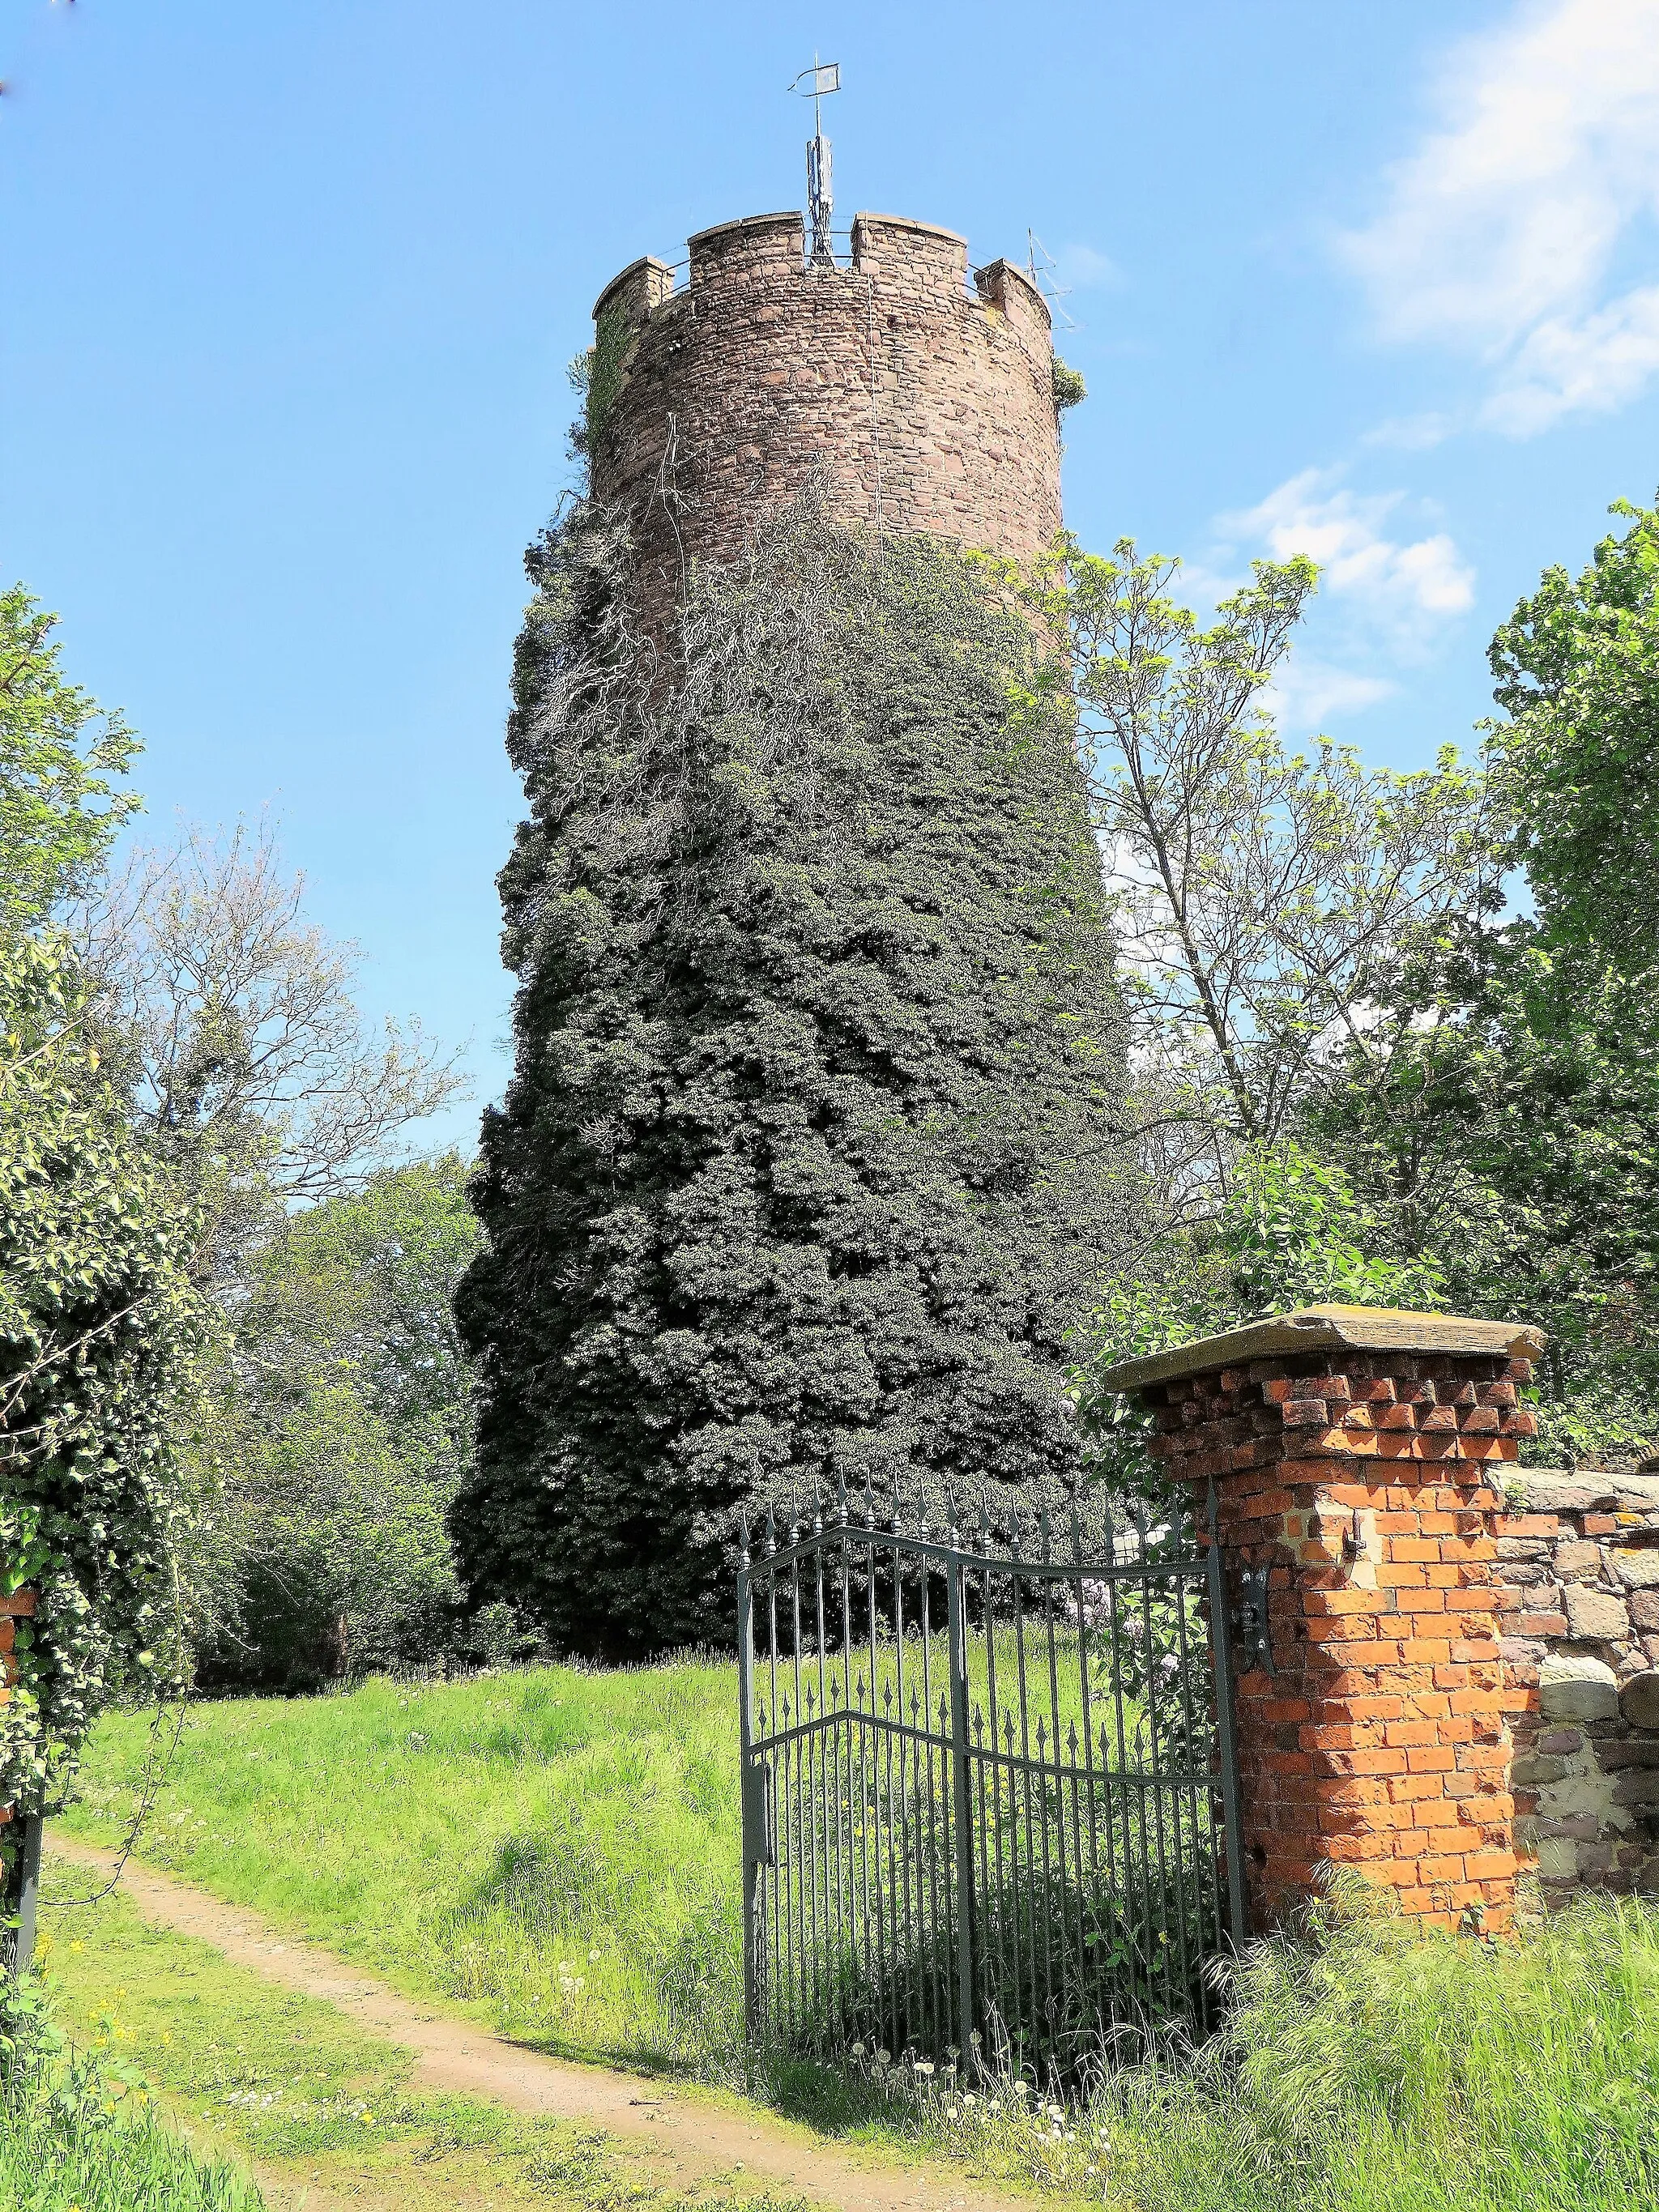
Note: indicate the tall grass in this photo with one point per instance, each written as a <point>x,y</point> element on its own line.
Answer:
<point>75,2140</point>
<point>1370,2068</point>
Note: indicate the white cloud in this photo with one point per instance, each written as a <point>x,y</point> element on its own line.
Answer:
<point>1307,693</point>
<point>1500,233</point>
<point>1412,434</point>
<point>1405,584</point>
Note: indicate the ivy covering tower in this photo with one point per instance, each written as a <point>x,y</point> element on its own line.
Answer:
<point>813,1155</point>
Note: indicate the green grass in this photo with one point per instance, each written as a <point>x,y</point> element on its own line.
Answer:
<point>560,1848</point>
<point>269,2080</point>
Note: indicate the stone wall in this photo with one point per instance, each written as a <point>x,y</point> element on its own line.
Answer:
<point>1579,1556</point>
<point>913,401</point>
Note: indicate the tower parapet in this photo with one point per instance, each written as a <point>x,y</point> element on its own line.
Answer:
<point>914,400</point>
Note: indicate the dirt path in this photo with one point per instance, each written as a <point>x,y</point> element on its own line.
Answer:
<point>693,2137</point>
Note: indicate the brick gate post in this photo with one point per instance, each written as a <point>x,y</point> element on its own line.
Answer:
<point>1358,1456</point>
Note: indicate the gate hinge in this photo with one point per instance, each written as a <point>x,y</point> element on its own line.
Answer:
<point>1255,1642</point>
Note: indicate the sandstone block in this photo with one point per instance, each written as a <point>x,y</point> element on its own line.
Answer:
<point>1552,1490</point>
<point>1596,1613</point>
<point>1639,1699</point>
<point>1577,1557</point>
<point>1574,1689</point>
<point>1638,1570</point>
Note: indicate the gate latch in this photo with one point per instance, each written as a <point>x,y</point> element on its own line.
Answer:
<point>759,1831</point>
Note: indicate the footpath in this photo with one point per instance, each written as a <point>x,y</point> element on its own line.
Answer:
<point>693,2137</point>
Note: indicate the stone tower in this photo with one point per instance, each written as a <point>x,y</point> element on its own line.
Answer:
<point>915,400</point>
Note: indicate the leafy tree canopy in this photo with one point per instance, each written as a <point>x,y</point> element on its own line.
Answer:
<point>1577,670</point>
<point>59,812</point>
<point>346,1427</point>
<point>1263,899</point>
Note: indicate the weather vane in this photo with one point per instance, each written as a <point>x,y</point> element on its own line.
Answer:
<point>820,196</point>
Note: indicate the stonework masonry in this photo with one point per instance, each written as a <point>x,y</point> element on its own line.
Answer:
<point>911,400</point>
<point>1578,1553</point>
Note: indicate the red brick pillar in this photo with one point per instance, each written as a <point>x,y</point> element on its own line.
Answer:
<point>1358,1457</point>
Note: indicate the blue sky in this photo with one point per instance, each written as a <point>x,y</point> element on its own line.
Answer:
<point>292,285</point>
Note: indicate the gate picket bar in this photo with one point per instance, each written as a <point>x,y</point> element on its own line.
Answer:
<point>990,1791</point>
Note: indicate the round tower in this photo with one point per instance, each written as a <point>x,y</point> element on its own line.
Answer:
<point>914,400</point>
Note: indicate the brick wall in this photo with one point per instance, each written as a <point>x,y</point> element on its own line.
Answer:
<point>911,399</point>
<point>1579,1555</point>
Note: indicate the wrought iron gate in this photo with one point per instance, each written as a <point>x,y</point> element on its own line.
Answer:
<point>989,1788</point>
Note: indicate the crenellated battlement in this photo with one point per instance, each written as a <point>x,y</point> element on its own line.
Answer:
<point>913,399</point>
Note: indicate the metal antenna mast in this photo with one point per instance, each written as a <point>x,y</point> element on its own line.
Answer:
<point>820,196</point>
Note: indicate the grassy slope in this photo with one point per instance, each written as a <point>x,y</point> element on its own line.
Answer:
<point>562,1847</point>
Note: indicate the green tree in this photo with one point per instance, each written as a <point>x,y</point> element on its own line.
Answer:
<point>1292,1230</point>
<point>1516,1135</point>
<point>103,1333</point>
<point>346,1427</point>
<point>1263,899</point>
<point>59,810</point>
<point>813,1152</point>
<point>1577,670</point>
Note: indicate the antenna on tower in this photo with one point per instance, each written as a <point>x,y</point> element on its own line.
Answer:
<point>1043,272</point>
<point>825,78</point>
